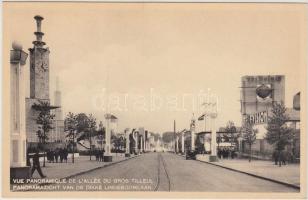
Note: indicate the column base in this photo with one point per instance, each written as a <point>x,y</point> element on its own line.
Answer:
<point>107,158</point>
<point>127,155</point>
<point>207,158</point>
<point>213,158</point>
<point>20,173</point>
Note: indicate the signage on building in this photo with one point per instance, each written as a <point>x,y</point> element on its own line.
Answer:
<point>264,91</point>
<point>257,118</point>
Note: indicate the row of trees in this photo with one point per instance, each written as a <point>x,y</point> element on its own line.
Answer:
<point>77,126</point>
<point>278,133</point>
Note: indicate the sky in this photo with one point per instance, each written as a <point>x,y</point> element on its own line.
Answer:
<point>153,60</point>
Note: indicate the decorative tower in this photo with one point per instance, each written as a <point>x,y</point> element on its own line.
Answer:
<point>39,82</point>
<point>39,65</point>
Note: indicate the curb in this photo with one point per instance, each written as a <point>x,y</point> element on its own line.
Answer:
<point>250,174</point>
<point>100,167</point>
<point>86,171</point>
<point>254,175</point>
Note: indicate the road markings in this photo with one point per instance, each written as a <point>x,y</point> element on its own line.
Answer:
<point>161,163</point>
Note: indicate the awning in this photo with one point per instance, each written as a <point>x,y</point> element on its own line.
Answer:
<point>40,107</point>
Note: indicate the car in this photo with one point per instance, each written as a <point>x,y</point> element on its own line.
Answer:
<point>191,155</point>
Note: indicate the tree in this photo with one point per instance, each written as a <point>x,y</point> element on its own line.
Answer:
<point>118,142</point>
<point>82,123</point>
<point>278,133</point>
<point>249,136</point>
<point>101,133</point>
<point>219,139</point>
<point>44,121</point>
<point>91,130</point>
<point>168,137</point>
<point>71,129</point>
<point>231,135</point>
<point>200,144</point>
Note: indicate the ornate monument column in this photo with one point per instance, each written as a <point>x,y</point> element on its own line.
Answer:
<point>141,133</point>
<point>135,137</point>
<point>107,155</point>
<point>213,116</point>
<point>18,156</point>
<point>146,141</point>
<point>127,149</point>
<point>110,126</point>
<point>192,131</point>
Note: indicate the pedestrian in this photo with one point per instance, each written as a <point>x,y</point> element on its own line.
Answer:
<point>65,154</point>
<point>284,157</point>
<point>28,158</point>
<point>102,155</point>
<point>56,155</point>
<point>61,155</point>
<point>36,164</point>
<point>101,158</point>
<point>96,154</point>
<point>219,153</point>
<point>275,156</point>
<point>232,154</point>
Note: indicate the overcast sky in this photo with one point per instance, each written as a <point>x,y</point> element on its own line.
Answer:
<point>169,52</point>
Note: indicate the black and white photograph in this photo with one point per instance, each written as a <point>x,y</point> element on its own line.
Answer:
<point>154,99</point>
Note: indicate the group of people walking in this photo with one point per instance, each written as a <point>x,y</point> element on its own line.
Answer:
<point>55,155</point>
<point>282,157</point>
<point>99,154</point>
<point>225,153</point>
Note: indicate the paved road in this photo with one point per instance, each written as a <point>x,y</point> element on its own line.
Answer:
<point>169,172</point>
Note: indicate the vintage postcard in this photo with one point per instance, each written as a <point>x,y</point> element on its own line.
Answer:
<point>154,100</point>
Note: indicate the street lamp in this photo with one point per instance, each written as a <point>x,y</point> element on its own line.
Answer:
<point>17,55</point>
<point>192,132</point>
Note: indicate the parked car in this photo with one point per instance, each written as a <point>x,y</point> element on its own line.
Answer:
<point>191,155</point>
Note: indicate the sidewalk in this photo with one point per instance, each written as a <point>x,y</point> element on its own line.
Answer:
<point>287,174</point>
<point>82,164</point>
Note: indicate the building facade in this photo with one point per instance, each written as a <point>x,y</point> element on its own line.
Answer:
<point>258,93</point>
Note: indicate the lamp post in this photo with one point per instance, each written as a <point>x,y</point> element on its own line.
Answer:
<point>74,138</point>
<point>213,115</point>
<point>174,136</point>
<point>183,141</point>
<point>192,131</point>
<point>90,140</point>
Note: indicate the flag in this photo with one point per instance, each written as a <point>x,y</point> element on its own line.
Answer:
<point>201,118</point>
